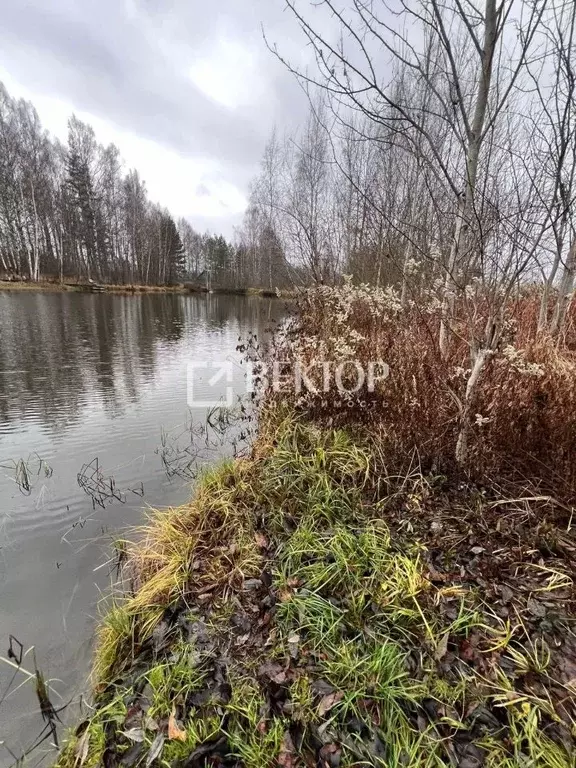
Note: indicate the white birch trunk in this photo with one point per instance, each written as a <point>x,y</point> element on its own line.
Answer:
<point>480,359</point>
<point>474,143</point>
<point>565,291</point>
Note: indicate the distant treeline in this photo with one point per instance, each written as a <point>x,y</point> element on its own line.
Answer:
<point>70,211</point>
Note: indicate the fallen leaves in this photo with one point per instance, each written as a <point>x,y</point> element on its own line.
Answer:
<point>262,726</point>
<point>273,672</point>
<point>294,645</point>
<point>155,749</point>
<point>329,755</point>
<point>261,540</point>
<point>286,757</point>
<point>81,749</point>
<point>328,702</point>
<point>135,734</point>
<point>442,647</point>
<point>174,730</point>
<point>454,577</point>
<point>286,593</point>
<point>468,648</point>
<point>536,608</point>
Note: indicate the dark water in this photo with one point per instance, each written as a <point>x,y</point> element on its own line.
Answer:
<point>86,377</point>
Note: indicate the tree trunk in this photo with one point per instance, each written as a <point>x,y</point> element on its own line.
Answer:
<point>474,144</point>
<point>407,257</point>
<point>565,291</point>
<point>462,445</point>
<point>448,297</point>
<point>36,265</point>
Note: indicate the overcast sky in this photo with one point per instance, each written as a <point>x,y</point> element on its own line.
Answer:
<point>185,88</point>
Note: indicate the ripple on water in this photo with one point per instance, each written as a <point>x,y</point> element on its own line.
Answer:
<point>85,376</point>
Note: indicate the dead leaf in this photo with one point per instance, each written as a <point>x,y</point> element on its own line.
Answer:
<point>322,688</point>
<point>252,584</point>
<point>471,709</point>
<point>273,672</point>
<point>133,717</point>
<point>436,526</point>
<point>506,593</point>
<point>131,758</point>
<point>329,755</point>
<point>285,595</point>
<point>174,731</point>
<point>442,647</point>
<point>467,650</point>
<point>262,726</point>
<point>261,540</point>
<point>293,646</point>
<point>134,734</point>
<point>329,701</point>
<point>150,724</point>
<point>155,749</point>
<point>434,575</point>
<point>286,757</point>
<point>81,749</point>
<point>536,608</point>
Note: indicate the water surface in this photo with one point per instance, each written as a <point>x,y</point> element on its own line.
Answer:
<point>86,378</point>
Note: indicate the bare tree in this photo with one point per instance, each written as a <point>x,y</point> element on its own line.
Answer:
<point>553,130</point>
<point>72,211</point>
<point>442,89</point>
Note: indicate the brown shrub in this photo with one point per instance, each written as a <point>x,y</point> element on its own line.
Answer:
<point>524,411</point>
<point>530,401</point>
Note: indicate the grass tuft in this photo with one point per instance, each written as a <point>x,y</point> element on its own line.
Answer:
<point>301,609</point>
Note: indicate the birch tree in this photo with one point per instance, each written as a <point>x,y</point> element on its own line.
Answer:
<point>469,59</point>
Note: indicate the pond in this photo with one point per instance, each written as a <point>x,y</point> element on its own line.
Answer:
<point>95,427</point>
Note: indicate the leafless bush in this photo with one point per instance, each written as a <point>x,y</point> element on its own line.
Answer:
<point>523,412</point>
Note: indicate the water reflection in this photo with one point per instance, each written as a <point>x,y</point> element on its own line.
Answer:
<point>60,351</point>
<point>86,377</point>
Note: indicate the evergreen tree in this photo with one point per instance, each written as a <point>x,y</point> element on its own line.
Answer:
<point>219,259</point>
<point>81,147</point>
<point>173,250</point>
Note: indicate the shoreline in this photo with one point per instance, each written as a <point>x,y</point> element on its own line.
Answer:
<point>50,287</point>
<point>288,616</point>
<point>349,594</point>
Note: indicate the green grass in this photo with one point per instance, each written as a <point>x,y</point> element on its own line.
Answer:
<point>173,679</point>
<point>355,626</point>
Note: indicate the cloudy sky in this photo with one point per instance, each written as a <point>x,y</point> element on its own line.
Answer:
<point>185,88</point>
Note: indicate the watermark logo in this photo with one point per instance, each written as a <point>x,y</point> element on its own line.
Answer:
<point>347,377</point>
<point>211,383</point>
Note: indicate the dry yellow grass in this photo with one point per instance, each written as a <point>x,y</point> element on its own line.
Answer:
<point>347,636</point>
<point>40,286</point>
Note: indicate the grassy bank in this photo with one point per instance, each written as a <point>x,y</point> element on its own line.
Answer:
<point>350,594</point>
<point>44,285</point>
<point>309,608</point>
<point>130,289</point>
<point>6,285</point>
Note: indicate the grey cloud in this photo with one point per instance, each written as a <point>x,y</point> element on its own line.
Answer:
<point>124,60</point>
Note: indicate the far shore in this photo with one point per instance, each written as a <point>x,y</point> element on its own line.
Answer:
<point>57,287</point>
